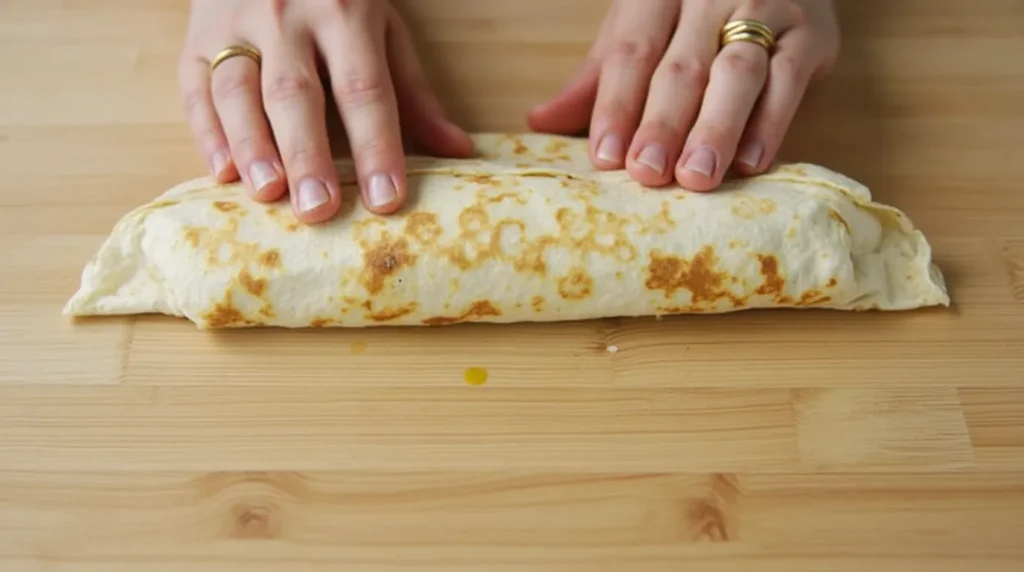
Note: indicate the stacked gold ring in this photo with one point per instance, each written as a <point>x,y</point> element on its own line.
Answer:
<point>236,50</point>
<point>748,31</point>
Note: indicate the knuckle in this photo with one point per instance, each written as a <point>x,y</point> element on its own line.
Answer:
<point>361,89</point>
<point>278,8</point>
<point>661,129</point>
<point>246,145</point>
<point>301,158</point>
<point>370,149</point>
<point>797,15</point>
<point>634,51</point>
<point>226,85</point>
<point>743,62</point>
<point>287,87</point>
<point>193,102</point>
<point>789,68</point>
<point>714,133</point>
<point>757,6</point>
<point>688,72</point>
<point>702,5</point>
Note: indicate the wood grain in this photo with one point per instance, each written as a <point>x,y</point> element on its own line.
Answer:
<point>791,441</point>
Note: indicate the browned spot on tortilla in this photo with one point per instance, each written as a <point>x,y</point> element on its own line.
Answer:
<point>225,315</point>
<point>267,311</point>
<point>271,258</point>
<point>284,218</point>
<point>670,273</point>
<point>517,197</point>
<point>477,310</point>
<point>577,285</point>
<point>388,314</point>
<point>226,206</point>
<point>383,260</point>
<point>793,169</point>
<point>832,282</point>
<point>773,284</point>
<point>423,227</point>
<point>538,303</point>
<point>813,298</point>
<point>791,232</point>
<point>192,236</point>
<point>555,146</point>
<point>321,322</point>
<point>661,223</point>
<point>834,215</point>
<point>523,165</point>
<point>519,148</point>
<point>458,187</point>
<point>162,204</point>
<point>545,160</point>
<point>255,286</point>
<point>751,207</point>
<point>480,179</point>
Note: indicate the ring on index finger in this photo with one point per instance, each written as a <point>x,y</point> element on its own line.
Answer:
<point>236,50</point>
<point>752,31</point>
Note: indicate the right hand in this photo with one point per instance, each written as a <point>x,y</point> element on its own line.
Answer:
<point>267,125</point>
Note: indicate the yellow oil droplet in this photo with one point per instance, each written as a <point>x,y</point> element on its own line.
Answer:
<point>357,347</point>
<point>476,376</point>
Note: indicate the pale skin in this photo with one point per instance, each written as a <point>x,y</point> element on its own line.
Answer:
<point>657,94</point>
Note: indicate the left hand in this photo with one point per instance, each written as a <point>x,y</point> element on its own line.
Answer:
<point>665,102</point>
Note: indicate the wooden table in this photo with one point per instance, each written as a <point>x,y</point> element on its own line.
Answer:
<point>767,440</point>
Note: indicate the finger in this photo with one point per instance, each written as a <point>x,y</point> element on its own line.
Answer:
<point>738,75</point>
<point>361,83</point>
<point>295,105</point>
<point>639,38</point>
<point>677,87</point>
<point>420,111</point>
<point>194,82</point>
<point>237,99</point>
<point>568,112</point>
<point>790,72</point>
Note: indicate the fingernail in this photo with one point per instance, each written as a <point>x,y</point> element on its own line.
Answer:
<point>261,174</point>
<point>312,194</point>
<point>652,157</point>
<point>610,148</point>
<point>751,154</point>
<point>381,190</point>
<point>218,162</point>
<point>702,161</point>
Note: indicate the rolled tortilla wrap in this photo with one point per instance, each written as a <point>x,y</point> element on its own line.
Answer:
<point>526,232</point>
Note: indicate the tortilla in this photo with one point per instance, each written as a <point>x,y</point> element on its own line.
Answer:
<point>527,231</point>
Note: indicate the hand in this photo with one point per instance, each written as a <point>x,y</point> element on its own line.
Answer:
<point>663,101</point>
<point>266,123</point>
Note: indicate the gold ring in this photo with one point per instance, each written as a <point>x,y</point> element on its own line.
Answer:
<point>236,50</point>
<point>748,31</point>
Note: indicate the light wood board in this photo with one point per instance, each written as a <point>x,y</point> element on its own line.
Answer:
<point>795,441</point>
